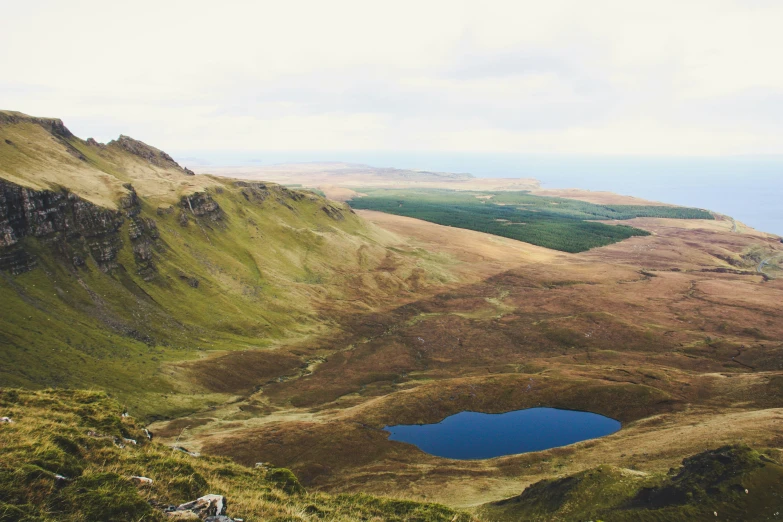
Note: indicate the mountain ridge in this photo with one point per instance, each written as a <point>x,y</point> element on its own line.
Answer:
<point>41,153</point>
<point>156,261</point>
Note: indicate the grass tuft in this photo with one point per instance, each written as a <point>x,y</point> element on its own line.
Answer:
<point>61,460</point>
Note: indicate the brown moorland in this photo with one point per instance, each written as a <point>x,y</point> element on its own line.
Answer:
<point>675,334</point>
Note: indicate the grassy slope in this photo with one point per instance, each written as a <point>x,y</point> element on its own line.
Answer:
<point>730,483</point>
<point>73,434</point>
<point>265,272</point>
<point>41,153</point>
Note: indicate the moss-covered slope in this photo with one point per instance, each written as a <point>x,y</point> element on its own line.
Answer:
<point>69,455</point>
<point>729,483</point>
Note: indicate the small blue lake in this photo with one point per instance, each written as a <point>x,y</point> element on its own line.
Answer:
<point>471,435</point>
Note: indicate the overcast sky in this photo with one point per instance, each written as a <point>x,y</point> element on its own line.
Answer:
<point>683,77</point>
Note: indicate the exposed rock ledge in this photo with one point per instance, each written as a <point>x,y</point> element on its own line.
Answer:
<point>54,126</point>
<point>155,156</point>
<point>72,227</point>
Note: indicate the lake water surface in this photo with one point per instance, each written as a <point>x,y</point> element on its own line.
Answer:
<point>472,435</point>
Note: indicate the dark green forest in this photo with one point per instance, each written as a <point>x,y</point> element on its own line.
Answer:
<point>561,224</point>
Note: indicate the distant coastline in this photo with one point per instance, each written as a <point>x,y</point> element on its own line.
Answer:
<point>748,188</point>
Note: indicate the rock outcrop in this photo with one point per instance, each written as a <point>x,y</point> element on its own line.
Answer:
<point>333,212</point>
<point>77,227</point>
<point>201,207</point>
<point>143,234</point>
<point>54,126</point>
<point>253,192</point>
<point>74,228</point>
<point>209,508</point>
<point>201,204</point>
<point>155,156</point>
<point>17,261</point>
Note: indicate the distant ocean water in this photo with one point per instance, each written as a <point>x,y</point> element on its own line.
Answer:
<point>748,188</point>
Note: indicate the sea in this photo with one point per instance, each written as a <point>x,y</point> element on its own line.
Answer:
<point>747,188</point>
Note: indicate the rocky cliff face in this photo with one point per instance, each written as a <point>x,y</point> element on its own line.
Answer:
<point>54,125</point>
<point>76,228</point>
<point>79,230</point>
<point>259,192</point>
<point>143,234</point>
<point>199,206</point>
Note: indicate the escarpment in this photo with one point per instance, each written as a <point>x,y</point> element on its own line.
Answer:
<point>259,192</point>
<point>77,230</point>
<point>72,229</point>
<point>54,126</point>
<point>116,267</point>
<point>143,234</point>
<point>75,227</point>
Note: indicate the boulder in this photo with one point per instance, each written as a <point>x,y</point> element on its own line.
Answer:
<point>186,451</point>
<point>206,506</point>
<point>182,515</point>
<point>141,481</point>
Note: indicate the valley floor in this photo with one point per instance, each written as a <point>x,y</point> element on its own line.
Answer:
<point>675,334</point>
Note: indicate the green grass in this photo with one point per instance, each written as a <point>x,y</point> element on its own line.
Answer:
<point>557,223</point>
<point>262,271</point>
<point>74,433</point>
<point>271,270</point>
<point>711,482</point>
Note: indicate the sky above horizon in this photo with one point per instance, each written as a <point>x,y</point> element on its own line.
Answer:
<point>663,78</point>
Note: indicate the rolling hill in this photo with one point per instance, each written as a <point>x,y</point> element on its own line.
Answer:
<point>253,322</point>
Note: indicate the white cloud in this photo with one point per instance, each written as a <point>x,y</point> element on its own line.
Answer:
<point>604,77</point>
